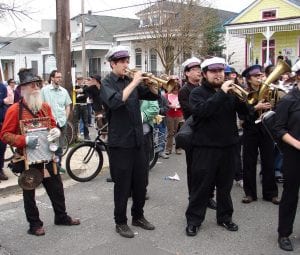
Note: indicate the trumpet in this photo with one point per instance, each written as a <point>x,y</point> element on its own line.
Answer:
<point>239,92</point>
<point>168,85</point>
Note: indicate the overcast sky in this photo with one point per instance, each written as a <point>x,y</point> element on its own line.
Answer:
<point>45,9</point>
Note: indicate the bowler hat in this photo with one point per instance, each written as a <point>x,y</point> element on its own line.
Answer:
<point>26,76</point>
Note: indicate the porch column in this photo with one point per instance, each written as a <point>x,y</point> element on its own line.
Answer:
<point>227,41</point>
<point>268,34</point>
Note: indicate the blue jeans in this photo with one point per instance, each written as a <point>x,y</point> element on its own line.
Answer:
<point>161,135</point>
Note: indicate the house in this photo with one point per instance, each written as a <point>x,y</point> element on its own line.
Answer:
<point>101,33</point>
<point>267,29</point>
<point>18,52</point>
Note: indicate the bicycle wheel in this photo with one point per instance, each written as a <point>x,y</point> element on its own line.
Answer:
<point>84,162</point>
<point>153,160</point>
<point>9,153</point>
<point>65,148</point>
<point>70,132</point>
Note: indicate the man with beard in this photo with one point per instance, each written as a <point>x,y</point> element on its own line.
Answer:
<point>214,146</point>
<point>32,106</point>
<point>192,72</point>
<point>59,100</point>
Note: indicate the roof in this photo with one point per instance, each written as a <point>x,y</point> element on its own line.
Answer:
<point>105,27</point>
<point>22,45</point>
<point>296,2</point>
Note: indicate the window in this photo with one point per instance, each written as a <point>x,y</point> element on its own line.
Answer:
<point>271,14</point>
<point>138,58</point>
<point>146,22</point>
<point>34,66</point>
<point>155,20</point>
<point>153,61</point>
<point>94,66</point>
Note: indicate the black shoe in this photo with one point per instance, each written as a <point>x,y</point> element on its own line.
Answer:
<point>3,176</point>
<point>229,225</point>
<point>124,230</point>
<point>212,204</point>
<point>109,179</point>
<point>143,223</point>
<point>191,230</point>
<point>279,179</point>
<point>285,244</point>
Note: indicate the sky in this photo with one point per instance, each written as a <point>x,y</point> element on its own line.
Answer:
<point>45,9</point>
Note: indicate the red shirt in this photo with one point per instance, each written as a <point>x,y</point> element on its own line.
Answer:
<point>173,101</point>
<point>10,132</point>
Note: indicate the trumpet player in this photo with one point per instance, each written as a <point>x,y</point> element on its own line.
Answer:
<point>256,138</point>
<point>215,137</point>
<point>128,165</point>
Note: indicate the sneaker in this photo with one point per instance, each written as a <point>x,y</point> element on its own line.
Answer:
<point>178,152</point>
<point>124,230</point>
<point>143,223</point>
<point>163,155</point>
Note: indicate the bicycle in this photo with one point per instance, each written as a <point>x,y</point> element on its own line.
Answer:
<point>85,161</point>
<point>158,140</point>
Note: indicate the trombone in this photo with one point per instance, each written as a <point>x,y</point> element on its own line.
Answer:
<point>168,84</point>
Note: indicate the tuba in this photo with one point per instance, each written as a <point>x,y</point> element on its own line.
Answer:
<point>267,92</point>
<point>168,84</point>
<point>264,92</point>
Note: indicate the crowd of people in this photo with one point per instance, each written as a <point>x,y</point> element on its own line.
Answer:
<point>228,136</point>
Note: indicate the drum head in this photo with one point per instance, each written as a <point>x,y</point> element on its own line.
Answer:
<point>30,179</point>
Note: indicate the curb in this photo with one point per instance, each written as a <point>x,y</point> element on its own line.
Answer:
<point>15,188</point>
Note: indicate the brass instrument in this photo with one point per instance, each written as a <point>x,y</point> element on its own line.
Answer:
<point>238,91</point>
<point>263,93</point>
<point>168,85</point>
<point>268,93</point>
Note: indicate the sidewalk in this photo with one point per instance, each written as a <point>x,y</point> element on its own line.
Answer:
<point>11,184</point>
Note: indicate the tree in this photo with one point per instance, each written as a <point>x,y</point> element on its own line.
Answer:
<point>14,10</point>
<point>176,28</point>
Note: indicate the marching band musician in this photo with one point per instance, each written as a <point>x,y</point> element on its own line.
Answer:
<point>287,130</point>
<point>256,137</point>
<point>192,72</point>
<point>121,95</point>
<point>215,136</point>
<point>32,106</point>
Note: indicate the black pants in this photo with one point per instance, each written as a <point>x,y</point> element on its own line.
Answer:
<point>81,112</point>
<point>238,167</point>
<point>289,199</point>
<point>2,153</point>
<point>189,160</point>
<point>129,173</point>
<point>55,191</point>
<point>252,141</point>
<point>209,166</point>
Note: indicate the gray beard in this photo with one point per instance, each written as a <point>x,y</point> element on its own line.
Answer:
<point>34,102</point>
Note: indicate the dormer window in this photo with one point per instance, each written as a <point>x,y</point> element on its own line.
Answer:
<point>269,14</point>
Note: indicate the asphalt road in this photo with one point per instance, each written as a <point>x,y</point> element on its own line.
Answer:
<point>93,203</point>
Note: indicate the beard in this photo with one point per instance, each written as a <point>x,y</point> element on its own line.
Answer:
<point>34,101</point>
<point>217,83</point>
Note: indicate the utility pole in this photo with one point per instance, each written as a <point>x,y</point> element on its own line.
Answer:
<point>83,40</point>
<point>63,42</point>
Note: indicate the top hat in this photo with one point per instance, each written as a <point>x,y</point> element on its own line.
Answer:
<point>27,76</point>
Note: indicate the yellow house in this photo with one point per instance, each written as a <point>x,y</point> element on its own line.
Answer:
<point>269,28</point>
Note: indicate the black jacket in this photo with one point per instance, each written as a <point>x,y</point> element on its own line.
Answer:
<point>288,115</point>
<point>214,114</point>
<point>124,118</point>
<point>183,97</point>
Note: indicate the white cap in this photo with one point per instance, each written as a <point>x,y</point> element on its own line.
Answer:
<point>213,63</point>
<point>191,62</point>
<point>296,67</point>
<point>117,53</point>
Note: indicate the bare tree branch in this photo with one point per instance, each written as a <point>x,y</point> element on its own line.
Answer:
<point>15,11</point>
<point>176,28</point>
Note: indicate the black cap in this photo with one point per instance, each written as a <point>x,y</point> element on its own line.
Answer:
<point>252,70</point>
<point>96,77</point>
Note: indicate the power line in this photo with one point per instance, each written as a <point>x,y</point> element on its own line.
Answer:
<point>126,7</point>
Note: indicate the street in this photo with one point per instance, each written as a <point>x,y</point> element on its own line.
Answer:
<point>92,202</point>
